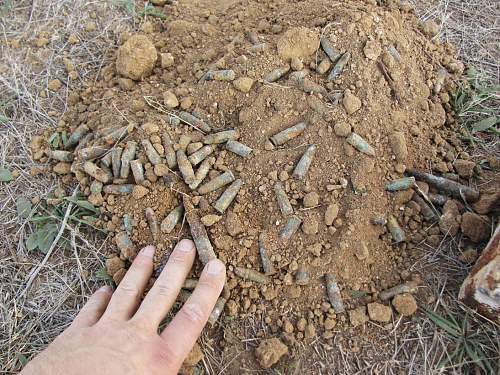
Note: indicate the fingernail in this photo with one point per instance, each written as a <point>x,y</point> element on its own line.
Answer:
<point>215,267</point>
<point>148,251</point>
<point>185,246</point>
<point>104,289</point>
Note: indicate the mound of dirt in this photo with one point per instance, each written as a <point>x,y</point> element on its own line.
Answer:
<point>280,152</point>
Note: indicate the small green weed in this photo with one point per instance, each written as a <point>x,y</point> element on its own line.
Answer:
<point>150,10</point>
<point>127,5</point>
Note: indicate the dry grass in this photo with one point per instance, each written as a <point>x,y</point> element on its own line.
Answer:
<point>28,322</point>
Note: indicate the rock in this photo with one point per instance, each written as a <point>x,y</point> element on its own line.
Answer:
<point>167,60</point>
<point>296,64</point>
<point>475,227</point>
<point>244,84</point>
<point>186,103</point>
<point>209,220</point>
<point>402,197</point>
<point>139,192</point>
<point>62,168</point>
<point>231,308</point>
<point>315,249</point>
<point>488,202</point>
<point>113,265</point>
<point>430,28</point>
<point>405,304</point>
<point>379,312</point>
<point>449,222</point>
<point>150,128</point>
<point>331,213</point>
<point>351,102</point>
<point>301,324</point>
<point>329,324</point>
<point>54,85</point>
<point>299,42</point>
<point>397,141</point>
<point>270,351</point>
<point>310,225</point>
<point>170,100</point>
<point>464,168</point>
<point>161,170</point>
<point>361,250</point>
<point>372,50</point>
<point>342,129</point>
<point>358,316</point>
<point>287,326</point>
<point>126,84</point>
<point>311,199</point>
<point>233,224</point>
<point>310,331</point>
<point>324,66</point>
<point>136,58</point>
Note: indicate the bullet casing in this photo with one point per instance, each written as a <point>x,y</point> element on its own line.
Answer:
<point>221,137</point>
<point>333,292</point>
<point>200,155</point>
<point>228,196</point>
<point>116,154</point>
<point>216,183</point>
<point>282,199</point>
<point>151,152</point>
<point>360,144</point>
<point>152,222</point>
<point>137,171</point>
<point>291,226</point>
<point>238,148</point>
<point>288,134</point>
<point>168,224</point>
<point>185,167</point>
<point>128,155</point>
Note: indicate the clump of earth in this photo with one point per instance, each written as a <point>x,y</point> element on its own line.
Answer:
<point>392,92</point>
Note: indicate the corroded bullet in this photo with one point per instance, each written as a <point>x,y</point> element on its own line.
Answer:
<point>202,172</point>
<point>125,245</point>
<point>152,222</point>
<point>217,311</point>
<point>117,135</point>
<point>437,199</point>
<point>360,144</point>
<point>339,66</point>
<point>127,223</point>
<point>184,141</point>
<point>128,155</point>
<point>394,53</point>
<point>289,133</point>
<point>151,152</point>
<point>329,50</point>
<point>304,163</point>
<point>291,226</point>
<point>61,155</point>
<point>228,196</point>
<point>378,220</point>
<point>200,155</point>
<point>252,275</point>
<point>193,147</point>
<point>116,162</point>
<point>398,235</point>
<point>282,199</point>
<point>168,224</point>
<point>98,173</point>
<point>407,287</point>
<point>93,152</point>
<point>107,160</point>
<point>267,265</point>
<point>137,171</point>
<point>173,120</point>
<point>77,135</point>
<point>302,275</point>
<point>185,167</point>
<point>404,183</point>
<point>216,182</point>
<point>276,74</point>
<point>198,232</point>
<point>168,146</point>
<point>261,47</point>
<point>107,170</point>
<point>221,137</point>
<point>333,292</point>
<point>299,75</point>
<point>426,210</point>
<point>238,148</point>
<point>195,122</point>
<point>219,75</point>
<point>119,189</point>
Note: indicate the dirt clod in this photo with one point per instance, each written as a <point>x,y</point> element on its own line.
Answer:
<point>379,312</point>
<point>358,316</point>
<point>351,102</point>
<point>405,304</point>
<point>136,58</point>
<point>299,42</point>
<point>270,351</point>
<point>475,227</point>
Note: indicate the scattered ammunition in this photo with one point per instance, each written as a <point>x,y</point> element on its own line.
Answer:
<point>168,224</point>
<point>185,167</point>
<point>128,155</point>
<point>437,199</point>
<point>302,275</point>
<point>401,184</point>
<point>394,53</point>
<point>299,75</point>
<point>218,309</point>
<point>451,176</point>
<point>107,159</point>
<point>60,155</point>
<point>92,152</point>
<point>288,134</point>
<point>98,173</point>
<point>339,66</point>
<point>252,275</point>
<point>127,223</point>
<point>333,292</point>
<point>426,210</point>
<point>329,50</point>
<point>195,122</point>
<point>190,284</point>
<point>440,78</point>
<point>107,170</point>
<point>219,75</point>
<point>398,235</point>
<point>200,155</point>
<point>261,47</point>
<point>151,152</point>
<point>168,146</point>
<point>238,148</point>
<point>117,135</point>
<point>276,74</point>
<point>283,202</point>
<point>267,265</point>
<point>252,37</point>
<point>228,196</point>
<point>202,116</point>
<point>152,222</point>
<point>216,183</point>
<point>84,142</point>
<point>311,87</point>
<point>291,226</point>
<point>102,132</point>
<point>116,163</point>
<point>173,120</point>
<point>198,232</point>
<point>193,147</point>
<point>451,187</point>
<point>323,66</point>
<point>378,220</point>
<point>407,287</point>
<point>304,163</point>
<point>118,189</point>
<point>137,171</point>
<point>202,172</point>
<point>125,245</point>
<point>221,137</point>
<point>360,144</point>
<point>77,135</point>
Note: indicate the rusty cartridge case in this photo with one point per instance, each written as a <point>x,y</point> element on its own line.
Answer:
<point>276,74</point>
<point>202,172</point>
<point>302,275</point>
<point>77,135</point>
<point>219,75</point>
<point>151,152</point>
<point>185,167</point>
<point>152,222</point>
<point>327,46</point>
<point>193,147</point>
<point>333,292</point>
<point>107,160</point>
<point>168,146</point>
<point>398,235</point>
<point>93,152</point>
<point>311,87</point>
<point>360,144</point>
<point>221,137</point>
<point>127,223</point>
<point>267,265</point>
<point>116,162</point>
<point>98,173</point>
<point>200,155</point>
<point>118,189</point>
<point>404,183</point>
<point>117,135</point>
<point>195,122</point>
<point>437,199</point>
<point>252,275</point>
<point>282,199</point>
<point>125,245</point>
<point>216,183</point>
<point>128,155</point>
<point>291,226</point>
<point>304,163</point>
<point>238,148</point>
<point>339,66</point>
<point>217,311</point>
<point>407,287</point>
<point>261,47</point>
<point>61,155</point>
<point>394,53</point>
<point>228,196</point>
<point>137,171</point>
<point>289,133</point>
<point>168,224</point>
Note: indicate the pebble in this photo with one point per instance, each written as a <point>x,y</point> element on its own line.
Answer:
<point>54,85</point>
<point>301,324</point>
<point>209,220</point>
<point>405,304</point>
<point>329,324</point>
<point>244,84</point>
<point>161,170</point>
<point>170,100</point>
<point>167,60</point>
<point>449,222</point>
<point>464,168</point>
<point>475,227</point>
<point>150,128</point>
<point>372,50</point>
<point>331,213</point>
<point>186,103</point>
<point>361,250</point>
<point>296,64</point>
<point>113,265</point>
<point>234,225</point>
<point>324,66</point>
<point>310,226</point>
<point>379,312</point>
<point>351,102</point>
<point>311,199</point>
<point>358,316</point>
<point>139,192</point>
<point>315,249</point>
<point>283,176</point>
<point>270,351</point>
<point>397,141</point>
<point>342,129</point>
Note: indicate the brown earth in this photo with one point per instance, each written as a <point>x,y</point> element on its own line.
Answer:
<point>394,105</point>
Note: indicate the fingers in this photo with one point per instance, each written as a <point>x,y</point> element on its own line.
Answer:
<point>127,296</point>
<point>162,295</point>
<point>93,309</point>
<point>181,334</point>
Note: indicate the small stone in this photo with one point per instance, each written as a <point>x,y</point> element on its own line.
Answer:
<point>62,168</point>
<point>430,28</point>
<point>324,66</point>
<point>54,85</point>
<point>113,265</point>
<point>398,144</point>
<point>464,168</point>
<point>299,42</point>
<point>167,60</point>
<point>315,249</point>
<point>405,304</point>
<point>342,129</point>
<point>329,324</point>
<point>402,197</point>
<point>244,84</point>
<point>119,275</point>
<point>301,324</point>
<point>331,213</point>
<point>270,351</point>
<point>361,250</point>
<point>136,58</point>
<point>358,316</point>
<point>487,203</point>
<point>186,103</point>
<point>310,331</point>
<point>161,170</point>
<point>351,102</point>
<point>170,100</point>
<point>268,146</point>
<point>150,128</point>
<point>231,308</point>
<point>233,224</point>
<point>209,220</point>
<point>296,64</point>
<point>372,50</point>
<point>283,176</point>
<point>194,356</point>
<point>287,326</point>
<point>449,222</point>
<point>139,192</point>
<point>475,227</point>
<point>310,226</point>
<point>379,312</point>
<point>311,199</point>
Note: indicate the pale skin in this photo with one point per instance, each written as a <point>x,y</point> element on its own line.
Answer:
<point>116,333</point>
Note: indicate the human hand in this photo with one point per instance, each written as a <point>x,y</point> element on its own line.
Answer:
<point>116,334</point>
